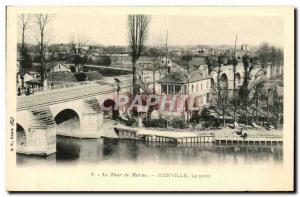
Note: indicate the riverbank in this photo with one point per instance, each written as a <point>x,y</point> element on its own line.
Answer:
<point>223,135</point>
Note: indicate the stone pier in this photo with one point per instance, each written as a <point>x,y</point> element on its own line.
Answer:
<point>36,132</point>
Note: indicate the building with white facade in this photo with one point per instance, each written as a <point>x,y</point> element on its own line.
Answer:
<point>196,84</point>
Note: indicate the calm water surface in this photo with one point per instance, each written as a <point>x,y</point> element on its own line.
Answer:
<point>105,150</point>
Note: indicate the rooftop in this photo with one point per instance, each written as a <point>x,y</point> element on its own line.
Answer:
<point>90,76</point>
<point>183,77</point>
<point>64,76</point>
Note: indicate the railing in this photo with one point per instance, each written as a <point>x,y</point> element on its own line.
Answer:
<point>68,85</point>
<point>60,86</point>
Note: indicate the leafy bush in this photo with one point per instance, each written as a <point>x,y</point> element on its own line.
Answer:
<point>179,124</point>
<point>133,122</point>
<point>162,123</point>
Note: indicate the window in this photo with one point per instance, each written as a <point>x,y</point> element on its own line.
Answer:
<point>164,89</point>
<point>200,100</point>
<point>197,87</point>
<point>207,98</point>
<point>192,88</point>
<point>201,86</point>
<point>171,89</point>
<point>177,89</point>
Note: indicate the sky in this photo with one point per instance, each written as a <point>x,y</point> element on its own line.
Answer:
<point>182,30</point>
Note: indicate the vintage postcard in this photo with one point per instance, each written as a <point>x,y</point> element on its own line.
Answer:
<point>150,98</point>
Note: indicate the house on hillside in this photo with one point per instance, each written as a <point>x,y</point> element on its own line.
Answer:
<point>52,79</point>
<point>60,67</point>
<point>53,66</point>
<point>196,84</point>
<point>26,77</point>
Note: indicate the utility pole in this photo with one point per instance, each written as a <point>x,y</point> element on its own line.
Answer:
<point>167,43</point>
<point>167,51</point>
<point>121,60</point>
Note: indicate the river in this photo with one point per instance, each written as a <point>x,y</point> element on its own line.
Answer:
<point>106,150</point>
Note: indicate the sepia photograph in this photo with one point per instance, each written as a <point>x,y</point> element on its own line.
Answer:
<point>135,98</point>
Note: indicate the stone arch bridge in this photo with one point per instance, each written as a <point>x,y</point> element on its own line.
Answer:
<point>73,112</point>
<point>227,76</point>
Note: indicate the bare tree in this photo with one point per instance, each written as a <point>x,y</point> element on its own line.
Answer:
<point>234,64</point>
<point>81,50</point>
<point>258,95</point>
<point>253,75</point>
<point>276,107</point>
<point>137,26</point>
<point>24,24</point>
<point>222,89</point>
<point>223,102</point>
<point>210,62</point>
<point>41,20</point>
<point>155,53</point>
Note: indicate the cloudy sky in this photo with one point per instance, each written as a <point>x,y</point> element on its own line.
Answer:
<point>182,30</point>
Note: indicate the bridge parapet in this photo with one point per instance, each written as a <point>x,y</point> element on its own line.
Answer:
<point>39,90</point>
<point>64,95</point>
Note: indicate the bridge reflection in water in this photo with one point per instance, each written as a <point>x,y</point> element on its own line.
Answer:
<point>104,150</point>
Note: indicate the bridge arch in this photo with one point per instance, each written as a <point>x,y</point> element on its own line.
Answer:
<point>238,79</point>
<point>224,81</point>
<point>21,136</point>
<point>67,115</point>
